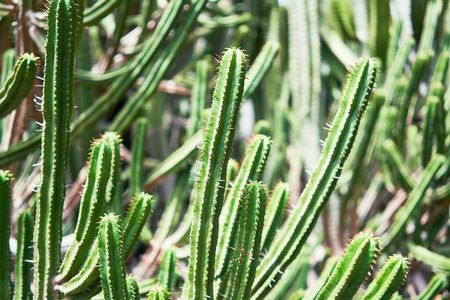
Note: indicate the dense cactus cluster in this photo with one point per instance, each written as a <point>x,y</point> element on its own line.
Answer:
<point>121,179</point>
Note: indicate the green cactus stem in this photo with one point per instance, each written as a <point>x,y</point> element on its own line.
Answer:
<point>5,223</point>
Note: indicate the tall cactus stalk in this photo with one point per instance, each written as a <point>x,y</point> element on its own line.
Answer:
<point>5,223</point>
<point>211,183</point>
<point>57,111</point>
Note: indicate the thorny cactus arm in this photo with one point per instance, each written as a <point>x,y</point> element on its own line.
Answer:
<point>132,288</point>
<point>57,111</point>
<point>353,268</point>
<point>210,186</point>
<point>439,263</point>
<point>158,292</point>
<point>167,269</point>
<point>437,284</point>
<point>251,169</point>
<point>388,279</point>
<point>137,159</point>
<point>18,84</point>
<point>92,206</point>
<point>323,180</point>
<point>24,257</point>
<point>5,224</point>
<point>112,263</point>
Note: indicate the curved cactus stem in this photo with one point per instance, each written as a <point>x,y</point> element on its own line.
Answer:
<point>274,214</point>
<point>138,154</point>
<point>388,279</point>
<point>329,268</point>
<point>112,263</point>
<point>210,188</point>
<point>132,288</point>
<point>174,161</point>
<point>5,223</point>
<point>437,284</point>
<point>88,277</point>
<point>57,111</point>
<point>24,257</point>
<point>353,268</point>
<point>18,84</point>
<point>248,241</point>
<point>9,59</point>
<point>379,21</point>
<point>405,213</point>
<point>398,166</point>
<point>99,10</point>
<point>260,67</point>
<point>323,180</point>
<point>167,271</point>
<point>199,96</point>
<point>439,263</point>
<point>252,167</point>
<point>92,206</point>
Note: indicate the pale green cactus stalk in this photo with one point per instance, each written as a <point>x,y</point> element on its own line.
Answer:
<point>398,166</point>
<point>353,268</point>
<point>388,279</point>
<point>112,189</point>
<point>210,188</point>
<point>251,169</point>
<point>248,241</point>
<point>274,213</point>
<point>167,270</point>
<point>88,276</point>
<point>199,96</point>
<point>24,257</point>
<point>138,154</point>
<point>318,190</point>
<point>132,288</point>
<point>314,290</point>
<point>436,285</point>
<point>9,58</point>
<point>439,263</point>
<point>92,206</point>
<point>57,111</point>
<point>405,213</point>
<point>18,84</point>
<point>5,223</point>
<point>112,263</point>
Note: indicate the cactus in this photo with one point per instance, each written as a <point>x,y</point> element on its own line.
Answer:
<point>57,111</point>
<point>167,270</point>
<point>24,257</point>
<point>5,208</point>
<point>210,187</point>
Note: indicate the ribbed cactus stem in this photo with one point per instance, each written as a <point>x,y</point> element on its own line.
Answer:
<point>5,223</point>
<point>57,111</point>
<point>24,257</point>
<point>210,188</point>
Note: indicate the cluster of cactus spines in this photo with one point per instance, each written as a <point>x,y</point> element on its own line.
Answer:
<point>57,110</point>
<point>211,182</point>
<point>92,206</point>
<point>248,241</point>
<point>112,263</point>
<point>337,146</point>
<point>405,213</point>
<point>251,168</point>
<point>388,279</point>
<point>344,281</point>
<point>18,84</point>
<point>167,273</point>
<point>5,220</point>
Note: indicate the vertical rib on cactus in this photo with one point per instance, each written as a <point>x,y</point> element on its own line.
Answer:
<point>89,274</point>
<point>92,206</point>
<point>405,213</point>
<point>210,188</point>
<point>18,84</point>
<point>248,241</point>
<point>323,180</point>
<point>167,270</point>
<point>388,279</point>
<point>274,214</point>
<point>5,223</point>
<point>251,169</point>
<point>57,111</point>
<point>112,263</point>
<point>24,257</point>
<point>353,268</point>
<point>137,159</point>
